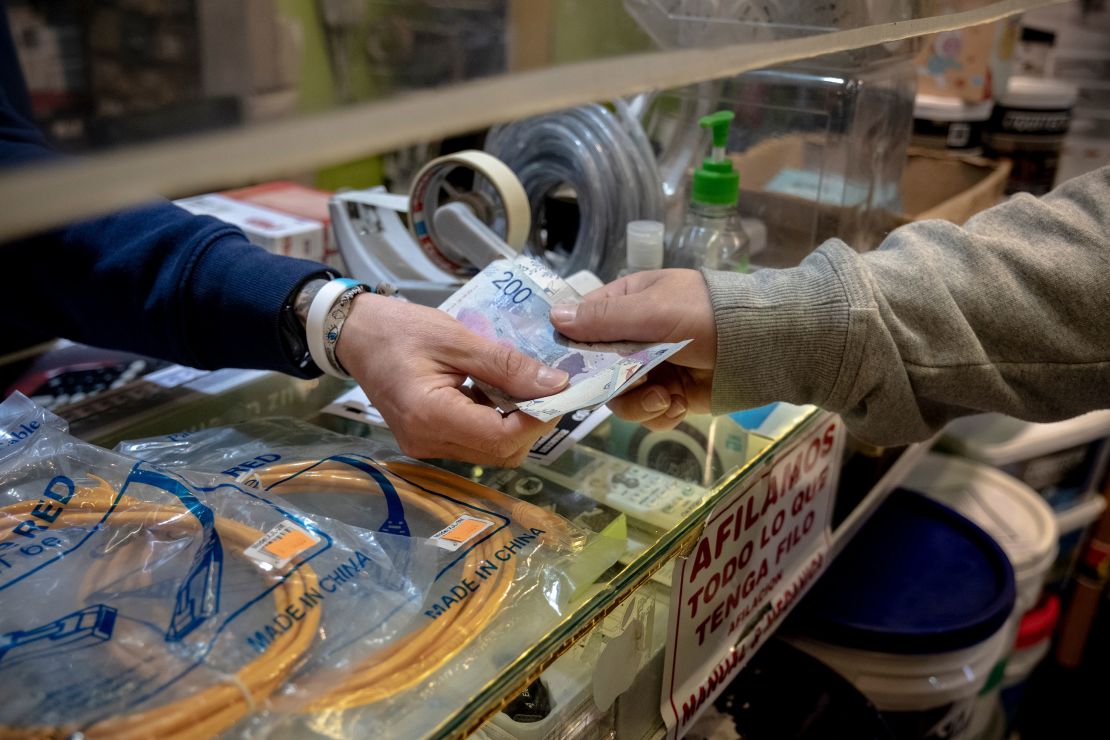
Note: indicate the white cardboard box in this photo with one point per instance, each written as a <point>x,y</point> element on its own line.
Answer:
<point>280,233</point>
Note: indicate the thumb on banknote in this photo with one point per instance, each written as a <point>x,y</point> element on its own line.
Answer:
<point>655,306</point>
<point>513,372</point>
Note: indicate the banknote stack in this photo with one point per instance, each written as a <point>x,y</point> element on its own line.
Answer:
<point>510,302</point>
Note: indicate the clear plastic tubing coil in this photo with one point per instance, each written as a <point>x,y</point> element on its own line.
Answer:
<point>605,158</point>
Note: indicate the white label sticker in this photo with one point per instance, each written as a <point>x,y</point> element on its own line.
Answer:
<point>174,375</point>
<point>459,532</point>
<point>280,545</point>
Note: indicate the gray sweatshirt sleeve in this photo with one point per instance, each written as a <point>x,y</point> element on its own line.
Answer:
<point>1009,313</point>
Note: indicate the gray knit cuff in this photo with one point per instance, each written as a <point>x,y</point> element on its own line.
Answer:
<point>781,334</point>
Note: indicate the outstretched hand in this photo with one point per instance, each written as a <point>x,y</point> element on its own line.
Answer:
<point>412,361</point>
<point>656,306</point>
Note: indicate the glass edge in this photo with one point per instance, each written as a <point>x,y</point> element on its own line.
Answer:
<point>42,197</point>
<point>491,697</point>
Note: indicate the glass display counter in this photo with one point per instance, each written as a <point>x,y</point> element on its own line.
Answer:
<point>651,500</point>
<point>660,494</point>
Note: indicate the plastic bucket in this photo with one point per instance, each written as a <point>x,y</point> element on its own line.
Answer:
<point>950,123</point>
<point>1008,510</point>
<point>1033,641</point>
<point>784,692</point>
<point>913,612</point>
<point>1061,460</point>
<point>1028,126</point>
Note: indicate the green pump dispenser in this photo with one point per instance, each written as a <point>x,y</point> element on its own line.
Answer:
<point>716,182</point>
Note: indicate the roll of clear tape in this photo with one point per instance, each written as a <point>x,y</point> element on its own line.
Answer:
<point>605,158</point>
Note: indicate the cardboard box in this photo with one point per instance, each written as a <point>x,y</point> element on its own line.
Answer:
<point>952,187</point>
<point>277,232</point>
<point>970,63</point>
<point>934,184</point>
<point>296,200</point>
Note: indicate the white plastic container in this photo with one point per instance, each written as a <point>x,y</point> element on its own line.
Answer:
<point>644,244</point>
<point>916,612</point>
<point>1030,119</point>
<point>1062,460</point>
<point>950,123</point>
<point>1008,510</point>
<point>901,683</point>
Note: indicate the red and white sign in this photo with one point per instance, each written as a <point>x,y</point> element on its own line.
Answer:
<point>761,549</point>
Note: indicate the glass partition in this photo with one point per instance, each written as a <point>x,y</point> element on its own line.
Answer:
<point>182,97</point>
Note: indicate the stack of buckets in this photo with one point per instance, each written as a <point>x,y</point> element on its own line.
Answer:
<point>923,608</point>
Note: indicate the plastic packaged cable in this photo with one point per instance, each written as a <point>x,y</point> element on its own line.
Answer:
<point>500,581</point>
<point>136,601</point>
<point>605,158</point>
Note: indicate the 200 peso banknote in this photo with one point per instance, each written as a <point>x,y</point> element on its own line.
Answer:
<point>510,302</point>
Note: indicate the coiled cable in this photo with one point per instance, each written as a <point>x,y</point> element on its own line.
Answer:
<point>403,663</point>
<point>605,158</point>
<point>412,659</point>
<point>222,704</point>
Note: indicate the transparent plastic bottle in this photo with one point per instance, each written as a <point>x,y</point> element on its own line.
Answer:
<point>712,234</point>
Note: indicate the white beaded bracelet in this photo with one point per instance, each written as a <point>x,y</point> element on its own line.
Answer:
<point>319,326</point>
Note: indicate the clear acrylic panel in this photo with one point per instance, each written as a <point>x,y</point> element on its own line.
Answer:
<point>193,95</point>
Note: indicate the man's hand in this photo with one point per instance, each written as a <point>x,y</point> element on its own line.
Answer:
<point>656,306</point>
<point>412,360</point>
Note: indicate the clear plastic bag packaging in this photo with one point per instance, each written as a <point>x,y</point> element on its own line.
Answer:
<point>136,601</point>
<point>501,578</point>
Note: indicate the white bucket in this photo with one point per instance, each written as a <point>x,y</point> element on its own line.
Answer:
<point>1007,509</point>
<point>939,690</point>
<point>1062,460</point>
<point>916,611</point>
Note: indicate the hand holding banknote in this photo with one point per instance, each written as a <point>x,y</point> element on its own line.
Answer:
<point>510,303</point>
<point>412,361</point>
<point>656,306</point>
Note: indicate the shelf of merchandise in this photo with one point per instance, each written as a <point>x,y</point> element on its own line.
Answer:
<point>644,571</point>
<point>648,568</point>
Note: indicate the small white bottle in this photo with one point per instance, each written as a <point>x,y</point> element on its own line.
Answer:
<point>644,241</point>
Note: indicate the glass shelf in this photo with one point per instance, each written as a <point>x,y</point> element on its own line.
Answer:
<point>869,475</point>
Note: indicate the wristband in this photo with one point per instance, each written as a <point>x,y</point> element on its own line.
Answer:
<point>322,330</point>
<point>294,317</point>
<point>333,324</point>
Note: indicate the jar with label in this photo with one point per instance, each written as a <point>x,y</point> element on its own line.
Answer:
<point>1028,127</point>
<point>950,123</point>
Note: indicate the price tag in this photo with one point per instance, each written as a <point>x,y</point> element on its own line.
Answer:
<point>459,532</point>
<point>280,545</point>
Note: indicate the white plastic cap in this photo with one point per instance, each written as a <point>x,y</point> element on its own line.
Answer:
<point>939,108</point>
<point>645,245</point>
<point>1039,93</point>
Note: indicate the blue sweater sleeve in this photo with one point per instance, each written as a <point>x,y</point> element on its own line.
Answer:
<point>155,279</point>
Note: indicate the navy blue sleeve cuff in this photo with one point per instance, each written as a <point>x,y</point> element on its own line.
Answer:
<point>233,297</point>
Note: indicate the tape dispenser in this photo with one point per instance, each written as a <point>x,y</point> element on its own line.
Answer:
<point>464,211</point>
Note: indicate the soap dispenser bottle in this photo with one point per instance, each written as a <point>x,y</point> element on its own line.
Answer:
<point>711,234</point>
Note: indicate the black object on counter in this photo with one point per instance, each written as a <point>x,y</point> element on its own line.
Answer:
<point>531,705</point>
<point>785,693</point>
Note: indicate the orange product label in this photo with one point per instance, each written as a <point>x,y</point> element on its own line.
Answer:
<point>290,544</point>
